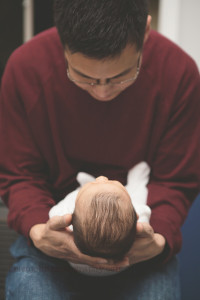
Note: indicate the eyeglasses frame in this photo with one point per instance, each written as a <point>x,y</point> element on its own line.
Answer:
<point>108,80</point>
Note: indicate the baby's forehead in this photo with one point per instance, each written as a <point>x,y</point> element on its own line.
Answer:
<point>89,190</point>
<point>103,187</point>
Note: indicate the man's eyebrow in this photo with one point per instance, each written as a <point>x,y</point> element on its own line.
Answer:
<point>80,73</point>
<point>116,76</point>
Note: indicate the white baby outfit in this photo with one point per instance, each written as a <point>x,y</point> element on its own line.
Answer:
<point>137,181</point>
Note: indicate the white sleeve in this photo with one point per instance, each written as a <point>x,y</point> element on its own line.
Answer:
<point>137,180</point>
<point>144,212</point>
<point>84,178</point>
<point>65,206</point>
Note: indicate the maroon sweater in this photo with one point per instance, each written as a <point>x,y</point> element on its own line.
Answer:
<point>50,129</point>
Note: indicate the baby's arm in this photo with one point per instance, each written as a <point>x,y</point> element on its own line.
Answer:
<point>144,212</point>
<point>137,180</point>
<point>67,205</point>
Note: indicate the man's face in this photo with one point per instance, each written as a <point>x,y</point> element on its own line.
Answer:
<point>84,69</point>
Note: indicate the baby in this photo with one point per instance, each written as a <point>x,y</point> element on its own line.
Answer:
<point>104,215</point>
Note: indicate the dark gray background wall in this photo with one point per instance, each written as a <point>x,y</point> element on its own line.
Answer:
<point>11,24</point>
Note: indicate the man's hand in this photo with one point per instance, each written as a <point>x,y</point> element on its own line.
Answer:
<point>147,244</point>
<point>54,239</point>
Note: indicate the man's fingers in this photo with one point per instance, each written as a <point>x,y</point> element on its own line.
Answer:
<point>60,222</point>
<point>144,230</point>
<point>89,260</point>
<point>106,263</point>
<point>122,263</point>
<point>139,228</point>
<point>68,219</point>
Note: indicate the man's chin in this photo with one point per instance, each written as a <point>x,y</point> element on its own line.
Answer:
<point>105,99</point>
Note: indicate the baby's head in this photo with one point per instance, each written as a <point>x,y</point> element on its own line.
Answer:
<point>104,220</point>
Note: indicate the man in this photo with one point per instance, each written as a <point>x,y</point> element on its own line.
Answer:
<point>111,95</point>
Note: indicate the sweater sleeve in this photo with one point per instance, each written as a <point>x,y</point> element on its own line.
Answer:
<point>23,173</point>
<point>174,180</point>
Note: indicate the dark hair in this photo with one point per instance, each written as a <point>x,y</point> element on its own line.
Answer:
<point>100,28</point>
<point>106,230</point>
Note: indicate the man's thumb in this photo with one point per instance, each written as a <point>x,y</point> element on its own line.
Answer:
<point>144,230</point>
<point>60,222</point>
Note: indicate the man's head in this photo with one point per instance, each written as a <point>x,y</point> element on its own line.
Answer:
<point>101,29</point>
<point>102,41</point>
<point>104,220</point>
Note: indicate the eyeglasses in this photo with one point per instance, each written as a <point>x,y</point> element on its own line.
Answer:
<point>111,81</point>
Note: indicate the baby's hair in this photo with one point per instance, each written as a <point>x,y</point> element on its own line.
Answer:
<point>107,229</point>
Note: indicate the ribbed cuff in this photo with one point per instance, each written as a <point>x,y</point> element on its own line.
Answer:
<point>35,216</point>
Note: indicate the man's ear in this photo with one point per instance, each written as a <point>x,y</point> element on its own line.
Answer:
<point>148,28</point>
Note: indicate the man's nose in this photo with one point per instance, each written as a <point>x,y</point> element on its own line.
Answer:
<point>101,179</point>
<point>102,91</point>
